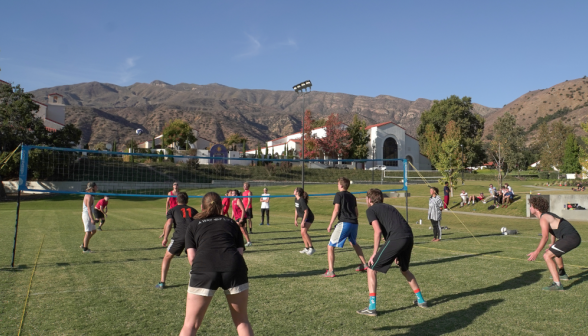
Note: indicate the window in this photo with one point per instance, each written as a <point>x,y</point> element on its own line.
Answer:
<point>390,152</point>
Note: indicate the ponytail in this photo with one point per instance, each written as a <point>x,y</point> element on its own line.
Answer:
<point>211,206</point>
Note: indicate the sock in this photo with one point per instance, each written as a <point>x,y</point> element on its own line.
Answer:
<point>419,296</point>
<point>557,283</point>
<point>562,271</point>
<point>372,305</point>
<point>310,247</point>
<point>85,249</point>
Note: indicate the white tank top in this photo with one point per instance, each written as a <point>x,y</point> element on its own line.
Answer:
<point>85,208</point>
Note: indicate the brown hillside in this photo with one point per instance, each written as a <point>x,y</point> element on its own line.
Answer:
<point>529,107</point>
<point>107,112</point>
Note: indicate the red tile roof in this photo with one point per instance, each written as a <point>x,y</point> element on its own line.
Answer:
<point>50,129</point>
<point>3,82</point>
<point>55,94</point>
<point>38,102</point>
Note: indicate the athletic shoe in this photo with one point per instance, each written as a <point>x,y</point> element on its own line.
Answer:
<point>422,305</point>
<point>260,223</point>
<point>445,209</point>
<point>160,285</point>
<point>562,277</point>
<point>304,250</point>
<point>310,251</point>
<point>250,230</point>
<point>248,244</point>
<point>329,274</point>
<point>99,228</point>
<point>361,268</point>
<point>553,287</point>
<point>367,312</point>
<point>267,224</point>
<point>87,251</point>
<point>82,246</point>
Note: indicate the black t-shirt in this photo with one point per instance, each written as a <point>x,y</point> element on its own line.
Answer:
<point>393,225</point>
<point>301,205</point>
<point>216,240</point>
<point>348,204</point>
<point>181,215</point>
<point>446,191</point>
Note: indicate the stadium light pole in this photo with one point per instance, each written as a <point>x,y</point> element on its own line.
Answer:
<point>303,88</point>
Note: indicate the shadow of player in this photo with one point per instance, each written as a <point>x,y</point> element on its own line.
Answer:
<point>450,322</point>
<point>525,279</point>
<point>581,277</point>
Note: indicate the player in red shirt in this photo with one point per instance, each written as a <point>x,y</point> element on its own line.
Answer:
<point>248,203</point>
<point>100,211</point>
<point>171,202</point>
<point>226,203</point>
<point>240,216</point>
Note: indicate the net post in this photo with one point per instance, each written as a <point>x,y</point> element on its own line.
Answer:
<point>406,186</point>
<point>22,180</point>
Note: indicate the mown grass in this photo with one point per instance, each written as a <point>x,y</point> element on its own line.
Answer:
<point>473,289</point>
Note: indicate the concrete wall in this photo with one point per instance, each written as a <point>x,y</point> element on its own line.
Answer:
<point>557,205</point>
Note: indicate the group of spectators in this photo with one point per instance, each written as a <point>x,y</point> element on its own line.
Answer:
<point>579,187</point>
<point>501,197</point>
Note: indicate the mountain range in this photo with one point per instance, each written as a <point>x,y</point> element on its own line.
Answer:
<point>107,112</point>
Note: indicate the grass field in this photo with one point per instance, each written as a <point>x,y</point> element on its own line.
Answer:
<point>473,289</point>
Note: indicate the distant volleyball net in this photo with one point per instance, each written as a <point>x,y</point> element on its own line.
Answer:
<point>149,173</point>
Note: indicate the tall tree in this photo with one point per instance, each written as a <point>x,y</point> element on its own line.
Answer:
<point>337,141</point>
<point>179,132</point>
<point>359,139</point>
<point>552,140</point>
<point>234,139</point>
<point>18,122</point>
<point>311,149</point>
<point>470,125</point>
<point>445,154</point>
<point>584,152</point>
<point>571,160</point>
<point>507,145</point>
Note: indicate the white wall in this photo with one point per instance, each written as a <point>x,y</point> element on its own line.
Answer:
<point>56,113</point>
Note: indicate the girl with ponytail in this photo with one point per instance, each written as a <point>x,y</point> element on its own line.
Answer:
<point>215,249</point>
<point>302,210</point>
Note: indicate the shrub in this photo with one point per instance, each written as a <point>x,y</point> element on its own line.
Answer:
<point>219,167</point>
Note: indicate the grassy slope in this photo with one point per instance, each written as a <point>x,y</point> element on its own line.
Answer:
<point>473,289</point>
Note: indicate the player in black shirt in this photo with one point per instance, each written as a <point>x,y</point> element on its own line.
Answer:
<point>567,239</point>
<point>345,208</point>
<point>387,221</point>
<point>214,244</point>
<point>304,212</point>
<point>179,216</point>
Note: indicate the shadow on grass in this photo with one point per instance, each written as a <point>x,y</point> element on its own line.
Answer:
<point>464,237</point>
<point>581,278</point>
<point>450,259</point>
<point>449,322</point>
<point>302,274</point>
<point>525,279</point>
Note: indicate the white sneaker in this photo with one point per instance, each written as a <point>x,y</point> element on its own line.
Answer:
<point>445,209</point>
<point>248,244</point>
<point>310,251</point>
<point>304,251</point>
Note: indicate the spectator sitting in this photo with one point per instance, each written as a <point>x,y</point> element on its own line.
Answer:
<point>499,197</point>
<point>507,199</point>
<point>464,198</point>
<point>480,197</point>
<point>579,188</point>
<point>491,194</point>
<point>509,188</point>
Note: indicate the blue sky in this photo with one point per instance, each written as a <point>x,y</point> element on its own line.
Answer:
<point>492,51</point>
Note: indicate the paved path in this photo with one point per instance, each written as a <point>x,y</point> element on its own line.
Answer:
<point>473,213</point>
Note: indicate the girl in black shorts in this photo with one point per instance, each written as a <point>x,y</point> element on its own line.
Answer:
<point>303,211</point>
<point>215,248</point>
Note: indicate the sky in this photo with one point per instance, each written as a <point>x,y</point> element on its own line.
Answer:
<point>492,51</point>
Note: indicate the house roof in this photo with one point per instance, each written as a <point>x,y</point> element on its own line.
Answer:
<point>38,102</point>
<point>50,129</point>
<point>390,122</point>
<point>3,82</point>
<point>55,94</point>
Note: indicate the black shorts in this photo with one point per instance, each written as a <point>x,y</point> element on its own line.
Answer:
<point>206,283</point>
<point>176,247</point>
<point>98,214</point>
<point>565,245</point>
<point>400,249</point>
<point>249,213</point>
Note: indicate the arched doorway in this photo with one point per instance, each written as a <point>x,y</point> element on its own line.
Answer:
<point>390,152</point>
<point>409,159</point>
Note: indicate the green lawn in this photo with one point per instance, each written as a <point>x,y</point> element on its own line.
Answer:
<point>473,289</point>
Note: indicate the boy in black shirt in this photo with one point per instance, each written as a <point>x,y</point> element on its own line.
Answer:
<point>387,221</point>
<point>346,210</point>
<point>180,216</point>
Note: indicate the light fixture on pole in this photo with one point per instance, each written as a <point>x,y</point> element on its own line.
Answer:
<point>303,88</point>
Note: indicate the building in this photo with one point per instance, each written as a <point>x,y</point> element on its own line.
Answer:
<point>200,143</point>
<point>52,113</point>
<point>387,141</point>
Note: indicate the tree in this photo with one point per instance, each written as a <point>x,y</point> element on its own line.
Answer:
<point>359,139</point>
<point>18,122</point>
<point>66,137</point>
<point>179,132</point>
<point>584,152</point>
<point>234,139</point>
<point>507,145</point>
<point>311,149</point>
<point>336,143</point>
<point>444,154</point>
<point>571,160</point>
<point>552,140</point>
<point>470,126</point>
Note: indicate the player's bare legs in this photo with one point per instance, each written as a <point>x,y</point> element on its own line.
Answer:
<point>411,280</point>
<point>196,306</point>
<point>305,237</point>
<point>359,253</point>
<point>165,265</point>
<point>238,307</point>
<point>87,237</point>
<point>548,256</point>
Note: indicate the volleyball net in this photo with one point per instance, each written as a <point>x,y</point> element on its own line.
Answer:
<point>152,174</point>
